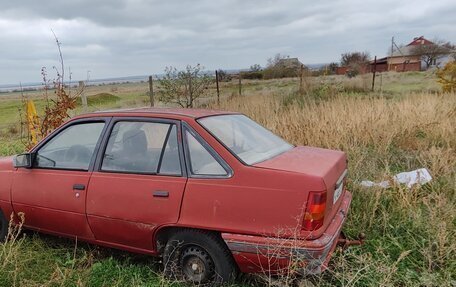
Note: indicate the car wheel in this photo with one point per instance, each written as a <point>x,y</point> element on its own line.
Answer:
<point>3,227</point>
<point>198,257</point>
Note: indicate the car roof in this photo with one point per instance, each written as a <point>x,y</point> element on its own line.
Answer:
<point>176,113</point>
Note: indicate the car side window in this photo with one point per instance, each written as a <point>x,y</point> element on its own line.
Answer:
<point>142,147</point>
<point>72,148</point>
<point>201,160</point>
<point>170,163</point>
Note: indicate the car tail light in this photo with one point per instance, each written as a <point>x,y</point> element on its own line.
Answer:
<point>315,211</point>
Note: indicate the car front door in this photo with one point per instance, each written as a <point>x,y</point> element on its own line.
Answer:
<point>138,183</point>
<point>52,194</point>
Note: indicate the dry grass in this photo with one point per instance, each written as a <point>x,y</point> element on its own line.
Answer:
<point>410,232</point>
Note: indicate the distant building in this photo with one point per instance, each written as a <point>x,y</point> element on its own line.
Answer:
<point>406,59</point>
<point>402,59</point>
<point>289,63</point>
<point>283,68</point>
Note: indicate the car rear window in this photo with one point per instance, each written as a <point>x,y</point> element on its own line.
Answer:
<point>248,140</point>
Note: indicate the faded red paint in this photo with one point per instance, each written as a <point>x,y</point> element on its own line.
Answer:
<point>259,205</point>
<point>256,253</point>
<point>406,67</point>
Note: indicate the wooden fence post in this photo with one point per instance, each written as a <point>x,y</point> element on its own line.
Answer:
<point>373,73</point>
<point>83,95</point>
<point>301,75</point>
<point>218,90</point>
<point>240,84</point>
<point>151,91</point>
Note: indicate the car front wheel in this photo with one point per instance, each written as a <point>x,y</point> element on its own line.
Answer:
<point>198,257</point>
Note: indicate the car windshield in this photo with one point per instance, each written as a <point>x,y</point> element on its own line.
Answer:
<point>248,140</point>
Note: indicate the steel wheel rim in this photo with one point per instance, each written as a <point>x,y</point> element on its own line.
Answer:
<point>197,265</point>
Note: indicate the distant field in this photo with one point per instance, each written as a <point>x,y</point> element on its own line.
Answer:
<point>135,94</point>
<point>407,124</point>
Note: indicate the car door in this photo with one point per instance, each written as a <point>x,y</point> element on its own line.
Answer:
<point>138,183</point>
<point>52,194</point>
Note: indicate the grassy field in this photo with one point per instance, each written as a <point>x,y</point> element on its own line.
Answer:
<point>407,124</point>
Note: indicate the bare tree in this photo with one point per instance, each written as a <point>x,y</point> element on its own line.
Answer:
<point>184,87</point>
<point>279,66</point>
<point>255,68</point>
<point>357,58</point>
<point>430,53</point>
<point>332,68</point>
<point>355,61</point>
<point>276,59</point>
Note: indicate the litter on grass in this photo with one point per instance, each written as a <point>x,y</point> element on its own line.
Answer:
<point>409,178</point>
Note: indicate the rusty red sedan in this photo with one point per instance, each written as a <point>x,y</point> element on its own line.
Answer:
<point>211,192</point>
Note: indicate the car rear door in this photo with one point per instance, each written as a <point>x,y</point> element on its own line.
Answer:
<point>52,194</point>
<point>138,183</point>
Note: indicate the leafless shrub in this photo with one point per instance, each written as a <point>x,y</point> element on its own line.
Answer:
<point>57,108</point>
<point>9,249</point>
<point>184,87</point>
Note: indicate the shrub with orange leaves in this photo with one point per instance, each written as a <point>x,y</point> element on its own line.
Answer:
<point>447,77</point>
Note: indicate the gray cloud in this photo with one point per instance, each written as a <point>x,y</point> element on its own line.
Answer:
<point>134,37</point>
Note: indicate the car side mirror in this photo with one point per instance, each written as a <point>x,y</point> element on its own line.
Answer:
<point>23,160</point>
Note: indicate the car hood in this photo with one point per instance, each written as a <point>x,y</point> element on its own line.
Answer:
<point>324,163</point>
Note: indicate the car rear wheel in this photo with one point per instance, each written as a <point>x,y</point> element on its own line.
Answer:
<point>3,227</point>
<point>198,257</point>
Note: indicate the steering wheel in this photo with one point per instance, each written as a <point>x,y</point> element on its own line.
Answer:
<point>77,153</point>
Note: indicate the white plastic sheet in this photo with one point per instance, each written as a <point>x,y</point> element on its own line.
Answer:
<point>409,178</point>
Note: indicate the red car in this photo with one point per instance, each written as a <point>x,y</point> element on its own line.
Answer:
<point>212,192</point>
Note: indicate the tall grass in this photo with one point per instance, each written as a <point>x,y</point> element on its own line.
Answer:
<point>410,233</point>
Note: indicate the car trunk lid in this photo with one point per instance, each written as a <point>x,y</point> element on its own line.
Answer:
<point>329,165</point>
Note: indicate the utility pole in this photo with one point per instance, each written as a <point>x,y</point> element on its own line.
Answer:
<point>392,51</point>
<point>151,91</point>
<point>392,46</point>
<point>218,90</point>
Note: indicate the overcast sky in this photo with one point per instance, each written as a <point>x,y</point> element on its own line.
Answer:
<point>114,38</point>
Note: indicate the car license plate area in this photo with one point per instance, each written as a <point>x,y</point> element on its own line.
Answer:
<point>338,192</point>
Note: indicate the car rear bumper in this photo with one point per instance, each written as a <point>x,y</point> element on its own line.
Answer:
<point>257,254</point>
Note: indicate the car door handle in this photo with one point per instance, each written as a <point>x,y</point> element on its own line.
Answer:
<point>79,187</point>
<point>161,193</point>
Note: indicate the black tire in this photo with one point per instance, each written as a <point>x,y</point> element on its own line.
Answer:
<point>3,227</point>
<point>198,257</point>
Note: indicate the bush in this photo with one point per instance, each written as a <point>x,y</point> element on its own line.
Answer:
<point>182,88</point>
<point>223,76</point>
<point>277,72</point>
<point>252,75</point>
<point>447,77</point>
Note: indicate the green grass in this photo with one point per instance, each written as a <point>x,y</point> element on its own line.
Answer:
<point>49,261</point>
<point>410,82</point>
<point>11,146</point>
<point>101,99</point>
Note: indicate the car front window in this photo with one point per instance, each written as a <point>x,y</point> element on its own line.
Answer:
<point>72,148</point>
<point>248,140</point>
